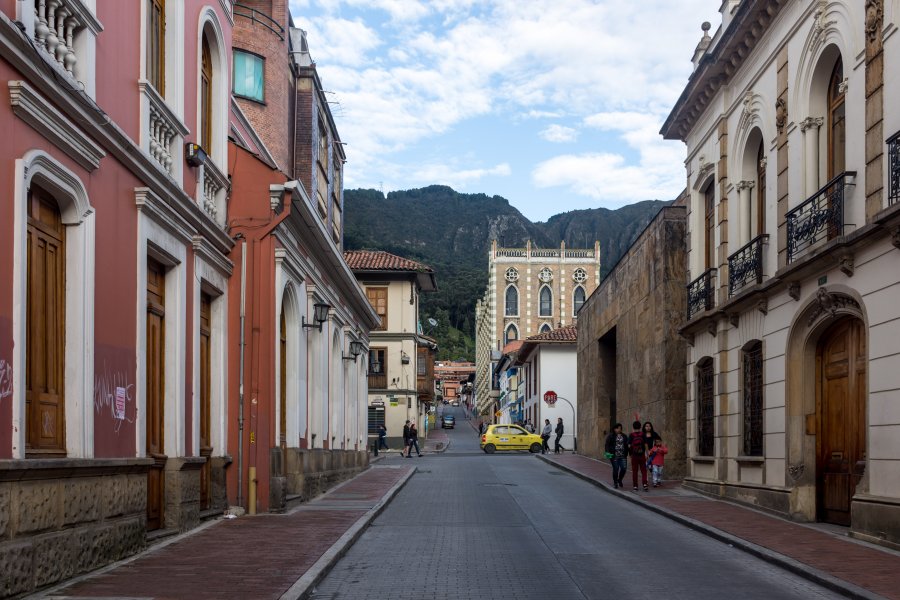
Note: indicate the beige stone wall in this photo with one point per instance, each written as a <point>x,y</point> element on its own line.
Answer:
<point>641,303</point>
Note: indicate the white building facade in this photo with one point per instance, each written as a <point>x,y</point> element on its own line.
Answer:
<point>793,168</point>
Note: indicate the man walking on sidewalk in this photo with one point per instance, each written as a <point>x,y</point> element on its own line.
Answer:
<point>405,438</point>
<point>545,436</point>
<point>638,460</point>
<point>617,453</point>
<point>557,447</point>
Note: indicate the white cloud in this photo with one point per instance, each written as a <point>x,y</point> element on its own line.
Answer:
<point>459,178</point>
<point>350,42</point>
<point>558,133</point>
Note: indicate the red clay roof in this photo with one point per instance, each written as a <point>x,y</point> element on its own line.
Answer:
<point>511,347</point>
<point>563,334</point>
<point>378,260</point>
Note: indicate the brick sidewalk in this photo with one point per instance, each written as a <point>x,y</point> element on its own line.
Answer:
<point>860,565</point>
<point>249,557</point>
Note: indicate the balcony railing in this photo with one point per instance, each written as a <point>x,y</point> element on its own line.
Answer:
<point>701,294</point>
<point>746,265</point>
<point>248,12</point>
<point>893,143</point>
<point>545,253</point>
<point>819,218</point>
<point>57,25</point>
<point>214,181</point>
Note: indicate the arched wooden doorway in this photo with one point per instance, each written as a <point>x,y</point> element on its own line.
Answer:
<point>841,417</point>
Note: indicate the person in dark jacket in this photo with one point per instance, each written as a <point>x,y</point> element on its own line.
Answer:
<point>638,459</point>
<point>406,438</point>
<point>557,448</point>
<point>650,436</point>
<point>413,441</point>
<point>617,452</point>
<point>382,437</point>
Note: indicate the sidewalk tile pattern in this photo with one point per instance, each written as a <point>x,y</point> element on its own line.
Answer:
<point>863,566</point>
<point>251,557</point>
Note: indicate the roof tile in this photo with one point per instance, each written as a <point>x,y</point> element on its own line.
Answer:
<point>562,334</point>
<point>378,260</point>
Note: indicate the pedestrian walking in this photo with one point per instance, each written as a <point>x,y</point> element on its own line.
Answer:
<point>529,426</point>
<point>638,457</point>
<point>545,436</point>
<point>650,436</point>
<point>413,441</point>
<point>617,453</point>
<point>656,460</point>
<point>405,438</point>
<point>382,437</point>
<point>557,448</point>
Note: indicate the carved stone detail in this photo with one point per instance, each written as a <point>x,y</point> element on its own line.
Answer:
<point>712,328</point>
<point>845,264</point>
<point>763,306</point>
<point>794,290</point>
<point>734,319</point>
<point>874,16</point>
<point>796,471</point>
<point>745,185</point>
<point>819,25</point>
<point>828,304</point>
<point>748,112</point>
<point>811,122</point>
<point>781,114</point>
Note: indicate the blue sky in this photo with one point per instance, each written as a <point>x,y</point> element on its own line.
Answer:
<point>553,104</point>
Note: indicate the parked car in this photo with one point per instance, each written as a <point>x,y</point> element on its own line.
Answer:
<point>509,437</point>
<point>448,422</point>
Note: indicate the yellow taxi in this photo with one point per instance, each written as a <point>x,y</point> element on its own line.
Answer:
<point>509,437</point>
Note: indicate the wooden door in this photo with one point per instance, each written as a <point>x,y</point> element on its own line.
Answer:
<point>205,380</point>
<point>282,383</point>
<point>841,408</point>
<point>156,360</point>
<point>45,328</point>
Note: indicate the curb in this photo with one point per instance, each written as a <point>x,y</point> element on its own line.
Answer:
<point>307,583</point>
<point>796,567</point>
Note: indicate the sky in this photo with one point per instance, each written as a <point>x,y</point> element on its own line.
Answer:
<point>555,105</point>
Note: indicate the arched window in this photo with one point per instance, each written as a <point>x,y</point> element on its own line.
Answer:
<point>511,335</point>
<point>578,299</point>
<point>545,328</point>
<point>760,188</point>
<point>206,97</point>
<point>512,301</point>
<point>836,122</point>
<point>709,229</point>
<point>546,309</point>
<point>752,375</point>
<point>706,434</point>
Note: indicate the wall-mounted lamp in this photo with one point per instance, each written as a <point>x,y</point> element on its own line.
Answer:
<point>404,357</point>
<point>356,348</point>
<point>194,154</point>
<point>320,315</point>
<point>375,367</point>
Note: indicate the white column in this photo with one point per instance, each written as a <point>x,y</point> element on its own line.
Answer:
<point>810,128</point>
<point>743,188</point>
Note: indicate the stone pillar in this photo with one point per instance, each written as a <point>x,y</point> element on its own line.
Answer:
<point>746,216</point>
<point>810,128</point>
<point>874,107</point>
<point>781,184</point>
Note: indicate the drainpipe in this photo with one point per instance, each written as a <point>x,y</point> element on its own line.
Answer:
<point>241,375</point>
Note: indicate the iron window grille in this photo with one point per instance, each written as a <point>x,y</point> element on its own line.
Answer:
<point>893,143</point>
<point>819,218</point>
<point>746,265</point>
<point>706,436</point>
<point>753,400</point>
<point>700,294</point>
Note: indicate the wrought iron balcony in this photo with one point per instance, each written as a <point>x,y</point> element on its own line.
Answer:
<point>746,265</point>
<point>819,218</point>
<point>893,143</point>
<point>701,294</point>
<point>261,18</point>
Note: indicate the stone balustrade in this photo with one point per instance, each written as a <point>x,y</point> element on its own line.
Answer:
<point>57,24</point>
<point>214,181</point>
<point>163,131</point>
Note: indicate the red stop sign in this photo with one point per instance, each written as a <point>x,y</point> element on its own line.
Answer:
<point>550,397</point>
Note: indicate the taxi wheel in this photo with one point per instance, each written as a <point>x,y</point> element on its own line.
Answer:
<point>489,448</point>
<point>535,448</point>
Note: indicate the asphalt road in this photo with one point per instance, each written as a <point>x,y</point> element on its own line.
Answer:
<point>508,526</point>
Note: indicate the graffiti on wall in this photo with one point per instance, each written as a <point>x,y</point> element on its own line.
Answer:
<point>113,396</point>
<point>6,388</point>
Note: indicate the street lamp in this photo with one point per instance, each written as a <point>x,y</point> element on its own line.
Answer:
<point>320,315</point>
<point>356,348</point>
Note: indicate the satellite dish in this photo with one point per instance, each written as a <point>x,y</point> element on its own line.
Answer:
<point>432,322</point>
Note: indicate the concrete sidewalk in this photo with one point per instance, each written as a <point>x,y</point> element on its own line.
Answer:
<point>847,566</point>
<point>266,556</point>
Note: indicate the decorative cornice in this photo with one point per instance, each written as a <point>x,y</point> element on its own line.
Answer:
<point>44,118</point>
<point>745,185</point>
<point>162,214</point>
<point>829,304</point>
<point>204,250</point>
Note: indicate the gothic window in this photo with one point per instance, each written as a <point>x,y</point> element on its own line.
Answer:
<point>545,328</point>
<point>206,80</point>
<point>705,407</point>
<point>836,121</point>
<point>546,298</point>
<point>511,335</point>
<point>512,274</point>
<point>709,204</point>
<point>512,301</point>
<point>580,275</point>
<point>156,45</point>
<point>760,188</point>
<point>752,373</point>
<point>578,299</point>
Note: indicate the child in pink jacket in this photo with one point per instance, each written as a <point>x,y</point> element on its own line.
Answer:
<point>656,460</point>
